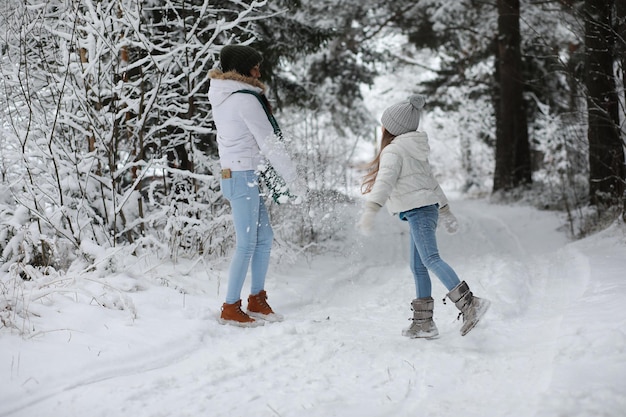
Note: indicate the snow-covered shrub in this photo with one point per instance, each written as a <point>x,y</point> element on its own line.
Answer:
<point>102,124</point>
<point>190,219</point>
<point>561,175</point>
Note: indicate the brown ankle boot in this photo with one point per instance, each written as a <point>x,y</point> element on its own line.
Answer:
<point>233,315</point>
<point>258,307</point>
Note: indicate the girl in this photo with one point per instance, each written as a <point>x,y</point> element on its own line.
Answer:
<point>245,137</point>
<point>400,176</point>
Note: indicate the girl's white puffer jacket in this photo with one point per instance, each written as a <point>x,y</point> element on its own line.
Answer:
<point>245,136</point>
<point>405,180</point>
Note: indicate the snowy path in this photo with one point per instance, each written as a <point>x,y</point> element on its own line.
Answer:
<point>544,349</point>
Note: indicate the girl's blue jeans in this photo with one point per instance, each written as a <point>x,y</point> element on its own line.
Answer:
<point>254,234</point>
<point>424,254</point>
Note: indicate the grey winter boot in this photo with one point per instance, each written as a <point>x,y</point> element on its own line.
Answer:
<point>423,325</point>
<point>472,308</point>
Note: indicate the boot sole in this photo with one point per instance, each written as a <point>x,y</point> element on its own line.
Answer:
<point>421,337</point>
<point>255,323</point>
<point>416,336</point>
<point>272,318</point>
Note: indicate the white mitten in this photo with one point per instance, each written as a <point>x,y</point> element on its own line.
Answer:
<point>366,222</point>
<point>448,219</point>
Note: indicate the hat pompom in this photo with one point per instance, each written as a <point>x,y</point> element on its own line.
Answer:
<point>417,101</point>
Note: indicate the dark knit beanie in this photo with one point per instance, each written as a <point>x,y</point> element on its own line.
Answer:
<point>403,117</point>
<point>239,58</point>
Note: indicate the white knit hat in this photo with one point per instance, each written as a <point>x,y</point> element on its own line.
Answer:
<point>403,117</point>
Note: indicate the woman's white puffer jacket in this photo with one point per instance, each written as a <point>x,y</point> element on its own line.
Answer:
<point>245,136</point>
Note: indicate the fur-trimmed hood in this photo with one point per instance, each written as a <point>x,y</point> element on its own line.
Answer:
<point>223,84</point>
<point>217,74</point>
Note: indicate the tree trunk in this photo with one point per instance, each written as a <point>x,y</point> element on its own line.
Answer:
<point>513,166</point>
<point>620,50</point>
<point>606,153</point>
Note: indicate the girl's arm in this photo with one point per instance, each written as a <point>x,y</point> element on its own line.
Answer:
<point>388,173</point>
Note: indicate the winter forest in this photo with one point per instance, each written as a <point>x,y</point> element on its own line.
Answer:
<point>108,154</point>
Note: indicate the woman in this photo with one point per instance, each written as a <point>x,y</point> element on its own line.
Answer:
<point>401,177</point>
<point>245,138</point>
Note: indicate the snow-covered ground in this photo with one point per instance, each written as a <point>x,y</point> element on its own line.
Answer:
<point>553,343</point>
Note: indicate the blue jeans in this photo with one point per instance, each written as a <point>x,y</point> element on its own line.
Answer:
<point>253,231</point>
<point>424,252</point>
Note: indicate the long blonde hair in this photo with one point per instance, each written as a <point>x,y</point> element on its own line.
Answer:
<point>372,167</point>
